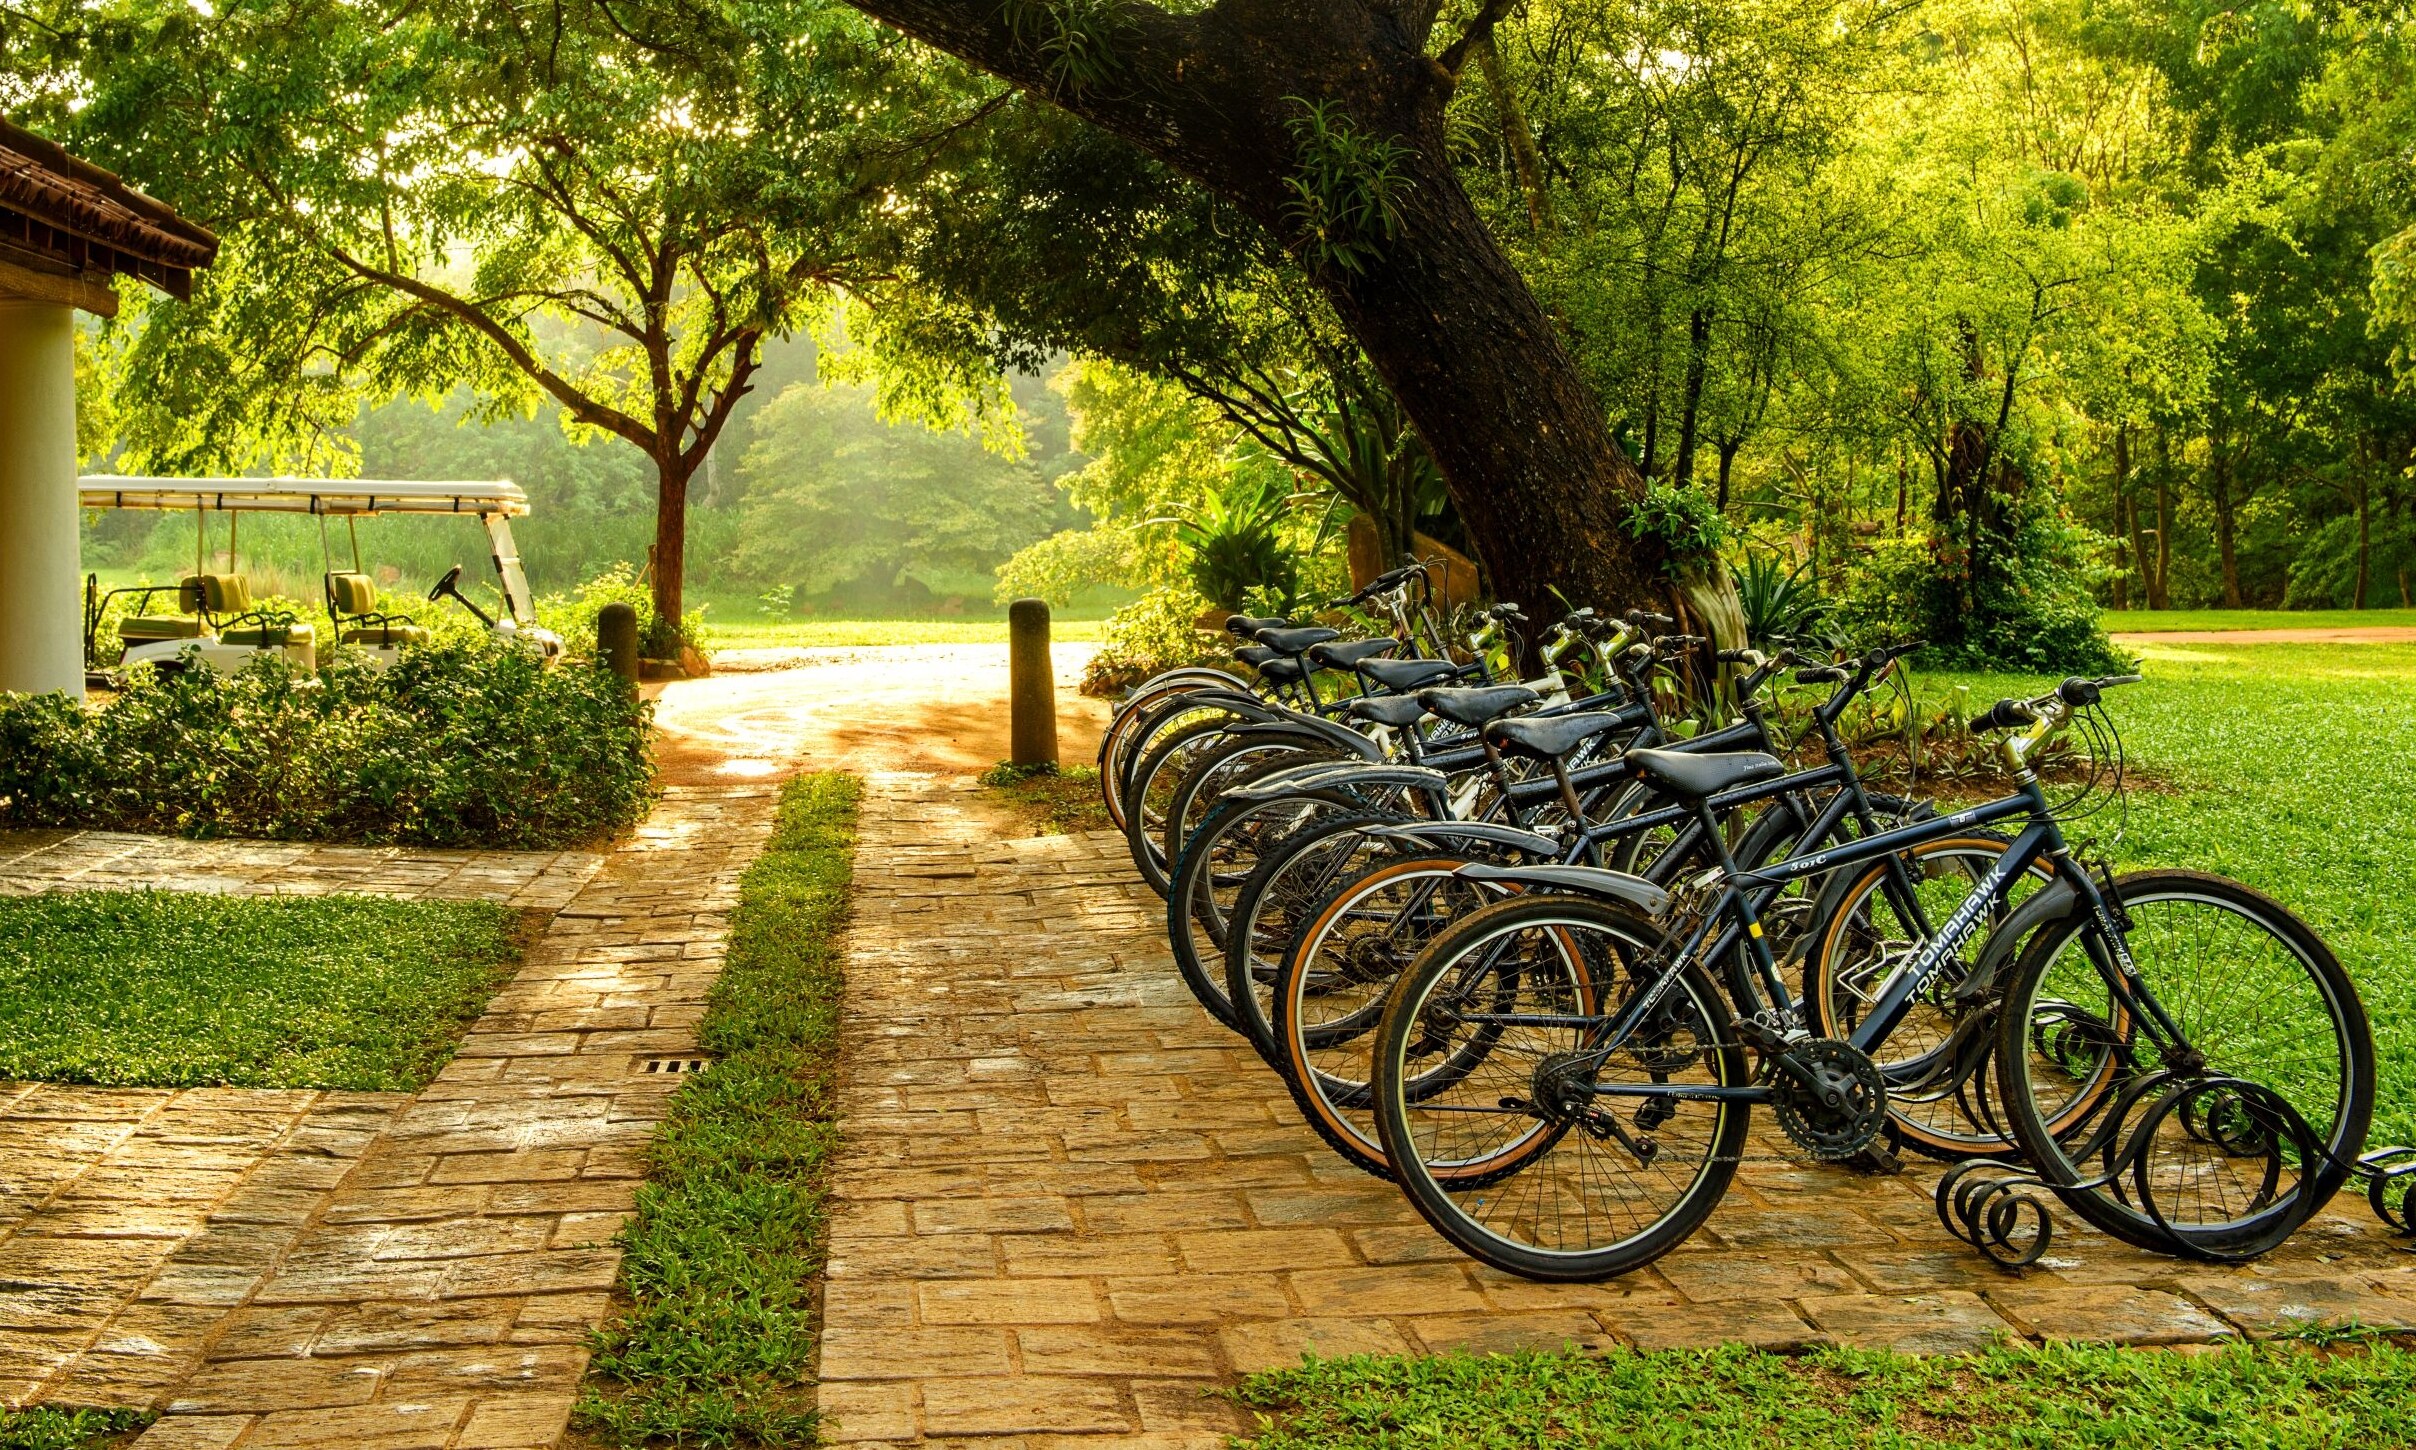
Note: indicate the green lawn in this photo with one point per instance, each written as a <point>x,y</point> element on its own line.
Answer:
<point>172,989</point>
<point>2276,1395</point>
<point>2167,621</point>
<point>856,633</point>
<point>2293,768</point>
<point>713,1343</point>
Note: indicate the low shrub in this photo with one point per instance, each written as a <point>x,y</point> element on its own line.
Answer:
<point>573,615</point>
<point>1156,632</point>
<point>462,744</point>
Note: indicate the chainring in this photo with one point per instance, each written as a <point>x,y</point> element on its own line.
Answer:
<point>1830,1133</point>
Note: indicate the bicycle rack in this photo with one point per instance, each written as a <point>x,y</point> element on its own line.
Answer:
<point>1994,1206</point>
<point>2390,1175</point>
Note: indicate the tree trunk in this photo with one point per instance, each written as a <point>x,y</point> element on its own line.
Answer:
<point>670,552</point>
<point>2227,530</point>
<point>1728,451</point>
<point>2123,558</point>
<point>1449,324</point>
<point>1698,348</point>
<point>1523,155</point>
<point>2159,583</point>
<point>2365,534</point>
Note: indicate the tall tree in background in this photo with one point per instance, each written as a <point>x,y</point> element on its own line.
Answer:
<point>417,197</point>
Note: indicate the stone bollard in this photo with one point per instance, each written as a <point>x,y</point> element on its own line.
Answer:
<point>617,640</point>
<point>1032,682</point>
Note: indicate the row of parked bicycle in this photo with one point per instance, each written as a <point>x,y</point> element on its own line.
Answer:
<point>1525,951</point>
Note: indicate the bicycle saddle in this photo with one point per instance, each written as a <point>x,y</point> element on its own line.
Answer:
<point>1282,670</point>
<point>1393,710</point>
<point>1293,641</point>
<point>1255,655</point>
<point>1551,736</point>
<point>1694,777</point>
<point>1406,675</point>
<point>1475,707</point>
<point>1247,625</point>
<point>1343,656</point>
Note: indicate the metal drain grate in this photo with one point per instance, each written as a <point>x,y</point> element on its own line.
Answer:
<point>676,1066</point>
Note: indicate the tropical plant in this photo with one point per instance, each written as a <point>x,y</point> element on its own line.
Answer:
<point>1782,605</point>
<point>1236,548</point>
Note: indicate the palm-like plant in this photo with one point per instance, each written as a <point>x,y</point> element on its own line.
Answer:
<point>1782,605</point>
<point>1236,545</point>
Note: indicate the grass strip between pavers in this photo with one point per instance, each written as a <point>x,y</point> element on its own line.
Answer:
<point>183,989</point>
<point>714,1343</point>
<point>44,1428</point>
<point>2281,1394</point>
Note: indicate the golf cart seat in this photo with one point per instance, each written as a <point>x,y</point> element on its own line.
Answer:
<point>225,600</point>
<point>152,628</point>
<point>352,604</point>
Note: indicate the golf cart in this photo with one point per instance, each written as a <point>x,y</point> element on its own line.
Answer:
<point>212,620</point>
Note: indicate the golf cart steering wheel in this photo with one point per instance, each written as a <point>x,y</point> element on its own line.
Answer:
<point>448,588</point>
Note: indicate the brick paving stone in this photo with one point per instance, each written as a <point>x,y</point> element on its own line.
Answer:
<point>426,1271</point>
<point>1122,1142</point>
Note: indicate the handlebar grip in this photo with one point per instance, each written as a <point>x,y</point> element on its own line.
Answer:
<point>1677,641</point>
<point>1642,617</point>
<point>2004,715</point>
<point>1752,657</point>
<point>1820,675</point>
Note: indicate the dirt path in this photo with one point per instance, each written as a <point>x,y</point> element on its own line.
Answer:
<point>936,708</point>
<point>2376,634</point>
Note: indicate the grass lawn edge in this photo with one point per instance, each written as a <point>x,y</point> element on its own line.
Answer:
<point>718,1305</point>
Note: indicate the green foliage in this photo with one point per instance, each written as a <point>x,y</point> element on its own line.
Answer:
<point>574,617</point>
<point>41,1427</point>
<point>2273,1395</point>
<point>1075,39</point>
<point>1346,185</point>
<point>1682,523</point>
<point>836,499</point>
<point>1156,632</point>
<point>182,989</point>
<point>1070,561</point>
<point>1236,545</point>
<point>2034,614</point>
<point>722,1265</point>
<point>454,745</point>
<point>1782,605</point>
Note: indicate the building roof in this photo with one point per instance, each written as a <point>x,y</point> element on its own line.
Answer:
<point>61,214</point>
<point>305,495</point>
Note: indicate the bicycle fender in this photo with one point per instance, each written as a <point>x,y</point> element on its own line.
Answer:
<point>1348,774</point>
<point>1331,774</point>
<point>1200,674</point>
<point>1633,891</point>
<point>1309,727</point>
<point>1492,833</point>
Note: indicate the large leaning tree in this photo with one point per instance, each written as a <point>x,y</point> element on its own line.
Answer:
<point>1323,122</point>
<point>602,206</point>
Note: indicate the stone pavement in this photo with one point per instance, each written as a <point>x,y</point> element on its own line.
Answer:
<point>297,1268</point>
<point>38,861</point>
<point>1071,1206</point>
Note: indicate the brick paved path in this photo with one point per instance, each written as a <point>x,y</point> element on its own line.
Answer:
<point>38,861</point>
<point>297,1268</point>
<point>1070,1205</point>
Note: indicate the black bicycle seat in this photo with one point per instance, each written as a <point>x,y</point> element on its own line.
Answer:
<point>1282,670</point>
<point>1343,655</point>
<point>1406,675</point>
<point>1393,710</point>
<point>1547,737</point>
<point>1694,777</point>
<point>1255,655</point>
<point>1293,641</point>
<point>1248,625</point>
<point>1476,706</point>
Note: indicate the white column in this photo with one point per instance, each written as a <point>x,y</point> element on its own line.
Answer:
<point>41,584</point>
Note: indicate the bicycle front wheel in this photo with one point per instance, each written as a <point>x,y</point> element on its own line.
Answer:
<point>2208,1100</point>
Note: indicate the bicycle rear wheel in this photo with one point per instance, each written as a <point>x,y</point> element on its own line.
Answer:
<point>1495,1091</point>
<point>2170,1080</point>
<point>1217,861</point>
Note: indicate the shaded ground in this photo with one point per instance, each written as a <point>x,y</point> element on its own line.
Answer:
<point>906,707</point>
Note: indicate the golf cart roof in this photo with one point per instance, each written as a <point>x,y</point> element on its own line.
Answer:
<point>305,495</point>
